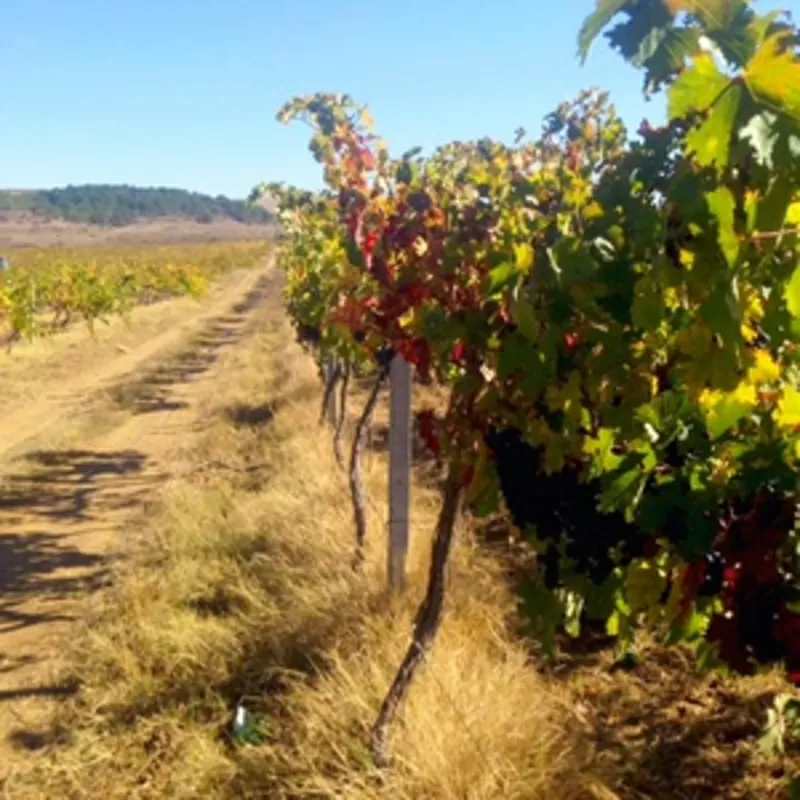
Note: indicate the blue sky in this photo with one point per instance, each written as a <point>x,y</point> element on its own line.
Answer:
<point>184,92</point>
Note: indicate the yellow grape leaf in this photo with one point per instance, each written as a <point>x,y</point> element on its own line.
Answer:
<point>764,369</point>
<point>724,410</point>
<point>787,414</point>
<point>773,75</point>
<point>406,321</point>
<point>793,214</point>
<point>672,299</point>
<point>523,257</point>
<point>792,293</point>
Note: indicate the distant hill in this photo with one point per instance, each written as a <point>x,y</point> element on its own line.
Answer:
<point>111,205</point>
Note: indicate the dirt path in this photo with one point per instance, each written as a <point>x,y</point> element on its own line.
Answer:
<point>62,508</point>
<point>29,421</point>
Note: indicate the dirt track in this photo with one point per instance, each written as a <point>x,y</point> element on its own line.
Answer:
<point>61,509</point>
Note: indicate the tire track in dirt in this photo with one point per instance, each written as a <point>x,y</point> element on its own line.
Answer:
<point>18,427</point>
<point>60,514</point>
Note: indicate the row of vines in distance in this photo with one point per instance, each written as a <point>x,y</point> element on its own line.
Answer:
<point>617,319</point>
<point>46,289</point>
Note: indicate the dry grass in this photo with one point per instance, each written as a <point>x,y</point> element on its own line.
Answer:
<point>236,587</point>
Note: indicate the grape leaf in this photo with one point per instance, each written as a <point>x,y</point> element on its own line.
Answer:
<point>542,611</point>
<point>697,87</point>
<point>711,141</point>
<point>514,356</point>
<point>788,411</point>
<point>792,293</point>
<point>737,37</point>
<point>722,313</point>
<point>639,36</point>
<point>725,414</point>
<point>716,14</point>
<point>722,205</point>
<point>593,24</point>
<point>523,315</point>
<point>501,276</point>
<point>669,57</point>
<point>650,40</point>
<point>648,307</point>
<point>773,207</point>
<point>645,583</point>
<point>773,75</point>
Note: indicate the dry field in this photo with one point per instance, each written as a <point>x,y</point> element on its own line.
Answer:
<point>28,230</point>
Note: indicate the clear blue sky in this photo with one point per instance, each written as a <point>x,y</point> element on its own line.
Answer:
<point>184,92</point>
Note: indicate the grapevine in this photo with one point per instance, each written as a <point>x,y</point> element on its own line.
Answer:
<point>47,289</point>
<point>617,319</point>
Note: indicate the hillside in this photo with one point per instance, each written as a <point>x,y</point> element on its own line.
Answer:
<point>122,205</point>
<point>125,215</point>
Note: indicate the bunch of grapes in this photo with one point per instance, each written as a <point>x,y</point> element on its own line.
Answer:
<point>752,574</point>
<point>563,509</point>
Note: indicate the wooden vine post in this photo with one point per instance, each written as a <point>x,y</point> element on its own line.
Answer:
<point>399,471</point>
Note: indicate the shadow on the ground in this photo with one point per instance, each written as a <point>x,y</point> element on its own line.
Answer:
<point>38,560</point>
<point>62,484</point>
<point>151,392</point>
<point>247,415</point>
<point>674,735</point>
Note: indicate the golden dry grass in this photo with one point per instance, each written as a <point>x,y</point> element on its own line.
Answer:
<point>236,586</point>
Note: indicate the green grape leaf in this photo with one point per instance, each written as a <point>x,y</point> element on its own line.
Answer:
<point>725,414</point>
<point>697,88</point>
<point>669,57</point>
<point>593,24</point>
<point>543,613</point>
<point>501,277</point>
<point>523,315</point>
<point>689,628</point>
<point>775,203</point>
<point>711,141</point>
<point>722,205</point>
<point>648,307</point>
<point>515,355</point>
<point>648,39</point>
<point>483,493</point>
<point>573,608</point>
<point>723,315</point>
